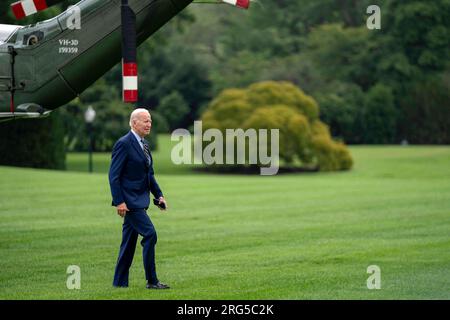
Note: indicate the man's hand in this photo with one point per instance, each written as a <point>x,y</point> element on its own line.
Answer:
<point>162,200</point>
<point>122,209</point>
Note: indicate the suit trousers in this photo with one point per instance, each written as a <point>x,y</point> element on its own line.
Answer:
<point>136,222</point>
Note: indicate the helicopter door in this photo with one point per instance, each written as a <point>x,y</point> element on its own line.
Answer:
<point>5,82</point>
<point>7,32</point>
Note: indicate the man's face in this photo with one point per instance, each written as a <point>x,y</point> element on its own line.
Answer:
<point>143,124</point>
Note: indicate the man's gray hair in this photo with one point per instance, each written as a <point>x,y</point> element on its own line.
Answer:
<point>135,114</point>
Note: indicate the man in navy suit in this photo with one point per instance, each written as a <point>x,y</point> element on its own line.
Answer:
<point>131,178</point>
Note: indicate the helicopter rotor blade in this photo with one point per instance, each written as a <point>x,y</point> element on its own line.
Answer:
<point>129,55</point>
<point>244,4</point>
<point>25,8</point>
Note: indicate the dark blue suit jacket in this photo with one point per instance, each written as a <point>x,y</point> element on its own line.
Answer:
<point>131,177</point>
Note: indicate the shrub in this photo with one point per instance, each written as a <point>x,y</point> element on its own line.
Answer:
<point>304,139</point>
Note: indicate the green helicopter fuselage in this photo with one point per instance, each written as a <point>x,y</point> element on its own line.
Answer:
<point>46,65</point>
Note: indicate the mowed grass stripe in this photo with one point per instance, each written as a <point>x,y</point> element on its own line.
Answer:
<point>303,236</point>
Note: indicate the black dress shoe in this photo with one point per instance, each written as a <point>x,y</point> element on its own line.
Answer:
<point>159,285</point>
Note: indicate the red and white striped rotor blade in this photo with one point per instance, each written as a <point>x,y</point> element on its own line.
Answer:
<point>244,4</point>
<point>129,81</point>
<point>25,8</point>
<point>129,54</point>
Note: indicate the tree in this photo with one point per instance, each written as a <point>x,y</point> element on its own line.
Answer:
<point>304,139</point>
<point>415,64</point>
<point>175,69</point>
<point>36,143</point>
<point>426,111</point>
<point>324,47</point>
<point>174,109</point>
<point>341,106</point>
<point>111,122</point>
<point>379,116</point>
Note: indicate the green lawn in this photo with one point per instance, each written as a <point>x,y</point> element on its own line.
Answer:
<point>302,236</point>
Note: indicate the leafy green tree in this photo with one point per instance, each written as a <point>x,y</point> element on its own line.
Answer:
<point>165,69</point>
<point>341,106</point>
<point>304,138</point>
<point>159,124</point>
<point>175,69</point>
<point>324,46</point>
<point>419,32</point>
<point>295,132</point>
<point>414,63</point>
<point>343,54</point>
<point>36,143</point>
<point>111,121</point>
<point>379,115</point>
<point>174,109</point>
<point>426,110</point>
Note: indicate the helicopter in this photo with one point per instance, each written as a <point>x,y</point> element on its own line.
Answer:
<point>46,65</point>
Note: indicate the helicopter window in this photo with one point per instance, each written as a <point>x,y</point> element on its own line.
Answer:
<point>33,38</point>
<point>35,34</point>
<point>7,31</point>
<point>13,38</point>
